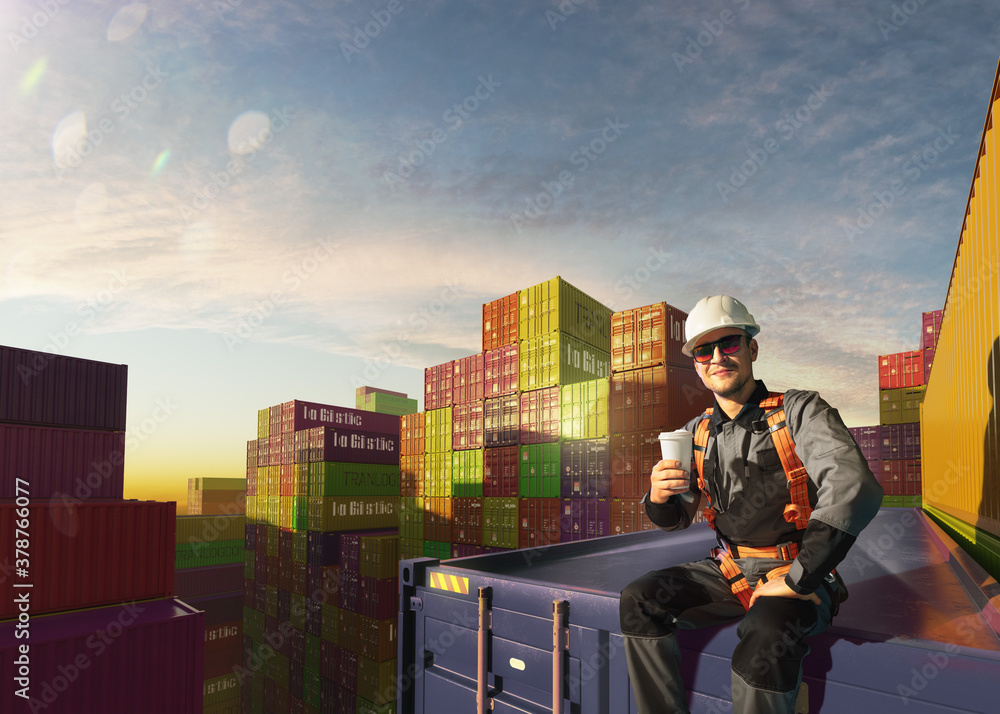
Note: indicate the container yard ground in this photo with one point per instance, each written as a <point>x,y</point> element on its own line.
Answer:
<point>918,634</point>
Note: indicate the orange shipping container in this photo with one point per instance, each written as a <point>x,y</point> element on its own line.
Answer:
<point>500,319</point>
<point>648,336</point>
<point>901,369</point>
<point>662,398</point>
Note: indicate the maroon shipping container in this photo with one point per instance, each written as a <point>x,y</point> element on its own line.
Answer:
<point>628,516</point>
<point>500,322</point>
<point>539,522</point>
<point>137,657</point>
<point>51,462</point>
<point>438,386</point>
<point>931,328</point>
<point>467,426</point>
<point>468,377</point>
<point>309,415</point>
<point>899,441</point>
<point>901,369</point>
<point>869,440</point>
<point>464,550</point>
<point>501,370</point>
<point>43,388</point>
<point>648,336</point>
<point>632,458</point>
<point>662,398</point>
<point>928,353</point>
<point>467,520</point>
<point>379,597</point>
<point>540,416</point>
<point>500,472</point>
<point>89,554</point>
<point>901,477</point>
<point>584,518</point>
<point>329,443</point>
<point>210,580</point>
<point>502,421</point>
<point>220,608</point>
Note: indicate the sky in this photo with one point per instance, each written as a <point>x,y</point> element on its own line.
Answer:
<point>253,201</point>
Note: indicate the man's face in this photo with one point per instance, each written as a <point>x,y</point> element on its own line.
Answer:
<point>727,375</point>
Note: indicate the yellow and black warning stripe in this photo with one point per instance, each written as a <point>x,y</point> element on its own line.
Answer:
<point>451,583</point>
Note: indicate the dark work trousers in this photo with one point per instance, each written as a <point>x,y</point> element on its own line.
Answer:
<point>767,662</point>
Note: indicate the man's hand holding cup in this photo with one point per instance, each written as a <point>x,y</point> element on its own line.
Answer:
<point>672,476</point>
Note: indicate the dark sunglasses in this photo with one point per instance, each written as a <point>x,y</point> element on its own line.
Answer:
<point>727,345</point>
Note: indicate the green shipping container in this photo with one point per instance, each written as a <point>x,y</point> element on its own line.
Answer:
<point>538,470</point>
<point>437,549</point>
<point>334,513</point>
<point>198,529</point>
<point>411,519</point>
<point>438,474</point>
<point>584,409</point>
<point>337,478</point>
<point>437,430</point>
<point>467,473</point>
<point>217,484</point>
<point>197,555</point>
<point>220,689</point>
<point>558,358</point>
<point>377,681</point>
<point>366,707</point>
<point>900,406</point>
<point>556,305</point>
<point>500,522</point>
<point>389,404</point>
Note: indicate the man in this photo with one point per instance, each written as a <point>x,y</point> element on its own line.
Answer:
<point>769,538</point>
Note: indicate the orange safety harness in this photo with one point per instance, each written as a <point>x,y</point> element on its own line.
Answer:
<point>797,511</point>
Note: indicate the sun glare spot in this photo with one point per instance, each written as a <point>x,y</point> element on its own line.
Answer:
<point>69,134</point>
<point>248,132</point>
<point>34,75</point>
<point>126,21</point>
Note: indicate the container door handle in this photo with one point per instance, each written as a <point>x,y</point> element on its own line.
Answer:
<point>483,701</point>
<point>560,644</point>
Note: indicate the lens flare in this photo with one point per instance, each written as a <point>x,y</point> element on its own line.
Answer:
<point>34,75</point>
<point>248,132</point>
<point>126,21</point>
<point>161,162</point>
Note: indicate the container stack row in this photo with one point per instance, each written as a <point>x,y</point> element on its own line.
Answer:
<point>321,556</point>
<point>547,435</point>
<point>208,576</point>
<point>384,401</point>
<point>98,567</point>
<point>216,496</point>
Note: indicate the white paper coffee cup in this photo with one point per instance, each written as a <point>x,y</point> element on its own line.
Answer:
<point>678,446</point>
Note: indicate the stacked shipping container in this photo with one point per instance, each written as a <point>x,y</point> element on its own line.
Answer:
<point>92,563</point>
<point>383,401</point>
<point>654,388</point>
<point>319,626</point>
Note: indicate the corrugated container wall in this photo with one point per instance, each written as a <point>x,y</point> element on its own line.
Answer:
<point>960,449</point>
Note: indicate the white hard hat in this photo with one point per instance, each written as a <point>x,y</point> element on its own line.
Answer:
<point>714,312</point>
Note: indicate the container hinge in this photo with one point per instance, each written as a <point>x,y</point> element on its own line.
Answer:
<point>484,699</point>
<point>416,604</point>
<point>560,644</point>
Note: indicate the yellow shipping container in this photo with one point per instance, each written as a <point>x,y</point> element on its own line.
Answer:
<point>556,305</point>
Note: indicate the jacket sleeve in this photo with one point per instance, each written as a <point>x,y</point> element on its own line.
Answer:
<point>677,513</point>
<point>847,493</point>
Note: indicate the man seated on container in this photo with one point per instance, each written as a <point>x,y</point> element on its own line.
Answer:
<point>779,540</point>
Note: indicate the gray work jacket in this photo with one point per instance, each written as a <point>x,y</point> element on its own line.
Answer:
<point>749,489</point>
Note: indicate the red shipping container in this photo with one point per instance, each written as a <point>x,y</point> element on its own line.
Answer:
<point>901,369</point>
<point>209,580</point>
<point>467,426</point>
<point>137,657</point>
<point>540,416</point>
<point>632,458</point>
<point>628,516</point>
<point>467,520</point>
<point>502,421</point>
<point>539,522</point>
<point>90,553</point>
<point>50,461</point>
<point>500,471</point>
<point>438,380</point>
<point>501,371</point>
<point>379,597</point>
<point>662,398</point>
<point>468,377</point>
<point>500,319</point>
<point>53,390</point>
<point>648,336</point>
